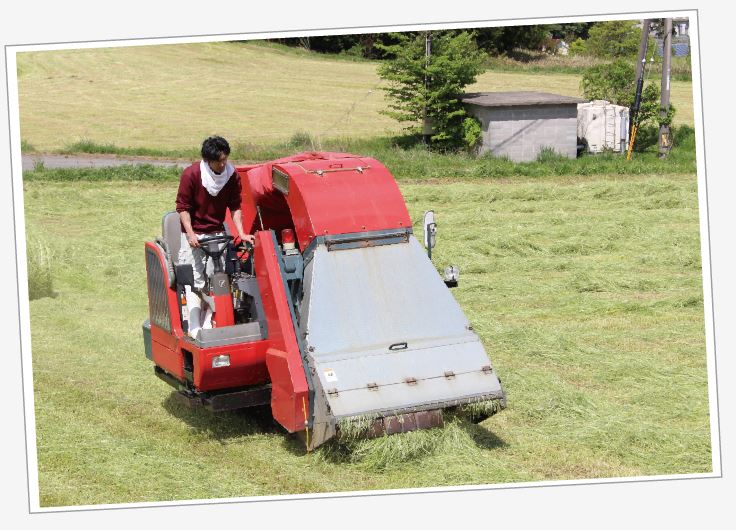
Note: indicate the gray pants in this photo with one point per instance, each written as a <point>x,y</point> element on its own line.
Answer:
<point>200,312</point>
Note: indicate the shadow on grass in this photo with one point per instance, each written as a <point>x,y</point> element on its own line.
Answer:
<point>224,425</point>
<point>526,56</point>
<point>484,438</point>
<point>295,443</point>
<point>37,295</point>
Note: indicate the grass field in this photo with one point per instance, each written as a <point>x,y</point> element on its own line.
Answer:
<point>132,97</point>
<point>586,292</point>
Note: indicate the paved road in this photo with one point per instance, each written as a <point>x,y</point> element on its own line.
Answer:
<point>71,161</point>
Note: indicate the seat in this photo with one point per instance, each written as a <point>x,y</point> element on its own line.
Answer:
<point>170,241</point>
<point>171,234</point>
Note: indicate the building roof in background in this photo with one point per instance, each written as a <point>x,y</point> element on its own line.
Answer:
<point>511,99</point>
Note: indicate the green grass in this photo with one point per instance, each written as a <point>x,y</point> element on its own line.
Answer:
<point>586,291</point>
<point>127,173</point>
<point>27,147</point>
<point>417,162</point>
<point>158,99</point>
<point>90,147</point>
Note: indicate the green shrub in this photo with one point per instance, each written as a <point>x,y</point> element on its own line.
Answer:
<point>614,82</point>
<point>577,47</point>
<point>548,154</point>
<point>85,145</point>
<point>646,137</point>
<point>472,133</point>
<point>302,140</point>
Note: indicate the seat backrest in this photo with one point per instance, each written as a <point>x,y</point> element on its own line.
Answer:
<point>171,234</point>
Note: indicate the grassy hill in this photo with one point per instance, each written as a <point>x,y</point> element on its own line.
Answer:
<point>169,97</point>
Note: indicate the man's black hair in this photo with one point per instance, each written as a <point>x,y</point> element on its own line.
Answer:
<point>214,147</point>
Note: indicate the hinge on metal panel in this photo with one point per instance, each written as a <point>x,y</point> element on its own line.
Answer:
<point>487,369</point>
<point>410,380</point>
<point>321,172</point>
<point>372,386</point>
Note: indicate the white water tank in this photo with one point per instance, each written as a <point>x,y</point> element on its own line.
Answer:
<point>604,126</point>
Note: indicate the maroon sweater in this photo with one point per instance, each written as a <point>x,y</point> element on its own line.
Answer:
<point>207,212</point>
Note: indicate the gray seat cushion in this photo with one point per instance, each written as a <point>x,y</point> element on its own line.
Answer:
<point>171,234</point>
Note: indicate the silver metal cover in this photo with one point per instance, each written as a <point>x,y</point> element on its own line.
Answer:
<point>385,334</point>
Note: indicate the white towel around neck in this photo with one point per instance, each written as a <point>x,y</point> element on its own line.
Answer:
<point>214,182</point>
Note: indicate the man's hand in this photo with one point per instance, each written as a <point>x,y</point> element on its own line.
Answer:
<point>186,222</point>
<point>238,221</point>
<point>193,241</point>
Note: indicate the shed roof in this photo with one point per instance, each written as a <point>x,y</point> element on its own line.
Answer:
<point>511,99</point>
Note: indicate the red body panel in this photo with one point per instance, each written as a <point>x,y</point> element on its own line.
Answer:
<point>164,355</point>
<point>258,190</point>
<point>289,391</point>
<point>224,314</point>
<point>342,199</point>
<point>247,365</point>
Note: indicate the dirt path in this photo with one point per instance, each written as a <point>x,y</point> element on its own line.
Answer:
<point>72,161</point>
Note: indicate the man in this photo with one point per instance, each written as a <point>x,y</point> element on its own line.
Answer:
<point>206,190</point>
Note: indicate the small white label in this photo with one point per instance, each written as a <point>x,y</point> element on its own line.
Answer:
<point>330,375</point>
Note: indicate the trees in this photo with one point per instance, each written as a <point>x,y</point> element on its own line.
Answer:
<point>569,31</point>
<point>505,39</point>
<point>367,45</point>
<point>612,39</point>
<point>417,83</point>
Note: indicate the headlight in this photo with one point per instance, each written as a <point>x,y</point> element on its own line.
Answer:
<point>218,361</point>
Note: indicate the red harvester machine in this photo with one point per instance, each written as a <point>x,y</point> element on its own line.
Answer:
<point>336,314</point>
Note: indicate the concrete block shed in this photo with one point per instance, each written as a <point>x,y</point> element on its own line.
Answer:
<point>520,124</point>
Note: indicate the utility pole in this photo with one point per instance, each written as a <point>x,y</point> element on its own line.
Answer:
<point>643,43</point>
<point>426,122</point>
<point>665,138</point>
<point>634,111</point>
